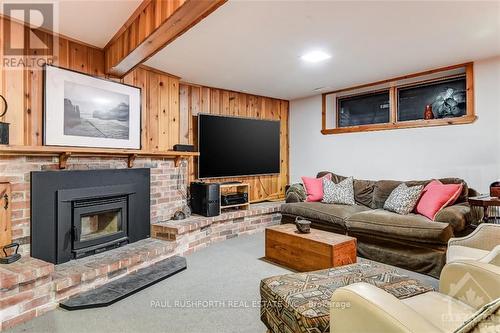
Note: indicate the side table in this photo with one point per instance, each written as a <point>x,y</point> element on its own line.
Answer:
<point>486,202</point>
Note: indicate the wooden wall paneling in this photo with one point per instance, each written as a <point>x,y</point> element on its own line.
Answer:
<point>219,101</point>
<point>138,78</point>
<point>152,101</point>
<point>96,63</point>
<point>214,101</point>
<point>62,59</point>
<point>141,81</point>
<point>163,112</point>
<point>174,112</point>
<point>23,89</point>
<point>34,94</point>
<point>78,57</point>
<point>243,105</point>
<point>224,103</point>
<point>284,151</point>
<point>184,114</point>
<point>205,99</point>
<point>13,91</point>
<point>234,103</point>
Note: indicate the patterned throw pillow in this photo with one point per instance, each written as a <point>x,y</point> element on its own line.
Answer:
<point>403,199</point>
<point>341,193</point>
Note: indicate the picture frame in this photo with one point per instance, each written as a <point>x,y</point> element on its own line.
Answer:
<point>81,110</point>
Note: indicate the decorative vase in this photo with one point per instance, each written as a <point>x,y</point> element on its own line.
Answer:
<point>303,226</point>
<point>428,114</point>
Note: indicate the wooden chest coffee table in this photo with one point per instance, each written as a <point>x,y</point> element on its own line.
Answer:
<point>308,252</point>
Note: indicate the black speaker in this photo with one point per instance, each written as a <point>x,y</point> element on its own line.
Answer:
<point>180,147</point>
<point>205,198</point>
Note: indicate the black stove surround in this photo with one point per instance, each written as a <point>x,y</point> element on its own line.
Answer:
<point>79,213</point>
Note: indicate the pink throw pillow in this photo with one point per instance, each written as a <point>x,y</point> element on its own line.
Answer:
<point>314,187</point>
<point>437,196</point>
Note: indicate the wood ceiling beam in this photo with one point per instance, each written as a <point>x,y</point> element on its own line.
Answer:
<point>155,24</point>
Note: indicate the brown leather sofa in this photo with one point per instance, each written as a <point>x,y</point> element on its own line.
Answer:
<point>409,241</point>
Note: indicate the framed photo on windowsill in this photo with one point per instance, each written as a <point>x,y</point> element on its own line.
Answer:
<point>85,111</point>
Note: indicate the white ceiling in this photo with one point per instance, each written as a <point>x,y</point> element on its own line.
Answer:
<point>255,46</point>
<point>93,22</point>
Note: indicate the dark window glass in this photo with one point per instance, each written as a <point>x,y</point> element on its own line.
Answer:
<point>447,98</point>
<point>363,109</point>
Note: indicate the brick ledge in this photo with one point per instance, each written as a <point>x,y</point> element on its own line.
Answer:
<point>174,229</point>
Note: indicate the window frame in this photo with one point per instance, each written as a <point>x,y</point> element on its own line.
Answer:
<point>371,92</point>
<point>393,87</point>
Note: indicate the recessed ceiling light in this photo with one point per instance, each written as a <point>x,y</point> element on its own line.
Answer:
<point>315,56</point>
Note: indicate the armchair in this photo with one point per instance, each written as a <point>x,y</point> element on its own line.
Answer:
<point>483,244</point>
<point>465,287</point>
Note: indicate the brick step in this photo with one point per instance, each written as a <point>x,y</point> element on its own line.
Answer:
<point>125,286</point>
<point>198,232</point>
<point>110,264</point>
<point>171,230</point>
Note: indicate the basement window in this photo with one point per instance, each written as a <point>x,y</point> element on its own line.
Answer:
<point>433,98</point>
<point>363,109</point>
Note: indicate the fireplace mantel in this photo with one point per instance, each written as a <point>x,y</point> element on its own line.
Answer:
<point>65,152</point>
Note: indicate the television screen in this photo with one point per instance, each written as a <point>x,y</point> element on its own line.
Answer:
<point>231,146</point>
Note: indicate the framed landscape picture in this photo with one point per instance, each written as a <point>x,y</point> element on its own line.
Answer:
<point>85,111</point>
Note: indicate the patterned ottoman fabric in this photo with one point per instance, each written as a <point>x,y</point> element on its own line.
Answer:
<point>300,302</point>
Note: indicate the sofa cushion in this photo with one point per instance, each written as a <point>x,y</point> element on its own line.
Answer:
<point>374,193</point>
<point>412,227</point>
<point>383,188</point>
<point>465,189</point>
<point>314,187</point>
<point>437,196</point>
<point>403,199</point>
<point>363,192</point>
<point>330,213</point>
<point>363,189</point>
<point>340,193</point>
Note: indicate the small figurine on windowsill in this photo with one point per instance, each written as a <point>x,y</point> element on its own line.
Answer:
<point>428,114</point>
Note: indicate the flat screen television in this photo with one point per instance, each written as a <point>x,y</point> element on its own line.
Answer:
<point>234,146</point>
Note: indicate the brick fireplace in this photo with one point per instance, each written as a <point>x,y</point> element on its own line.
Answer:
<point>165,198</point>
<point>31,287</point>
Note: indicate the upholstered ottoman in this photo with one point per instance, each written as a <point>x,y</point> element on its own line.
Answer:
<point>300,302</point>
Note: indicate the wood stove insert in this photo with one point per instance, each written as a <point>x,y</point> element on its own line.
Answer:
<point>80,213</point>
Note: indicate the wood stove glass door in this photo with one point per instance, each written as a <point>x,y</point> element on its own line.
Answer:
<point>101,223</point>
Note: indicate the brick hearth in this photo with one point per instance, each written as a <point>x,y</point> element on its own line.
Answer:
<point>198,232</point>
<point>31,287</point>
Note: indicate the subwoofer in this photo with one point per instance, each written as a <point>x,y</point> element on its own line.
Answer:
<point>205,198</point>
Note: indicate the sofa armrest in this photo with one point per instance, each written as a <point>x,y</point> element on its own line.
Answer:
<point>472,282</point>
<point>362,307</point>
<point>493,257</point>
<point>458,216</point>
<point>485,237</point>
